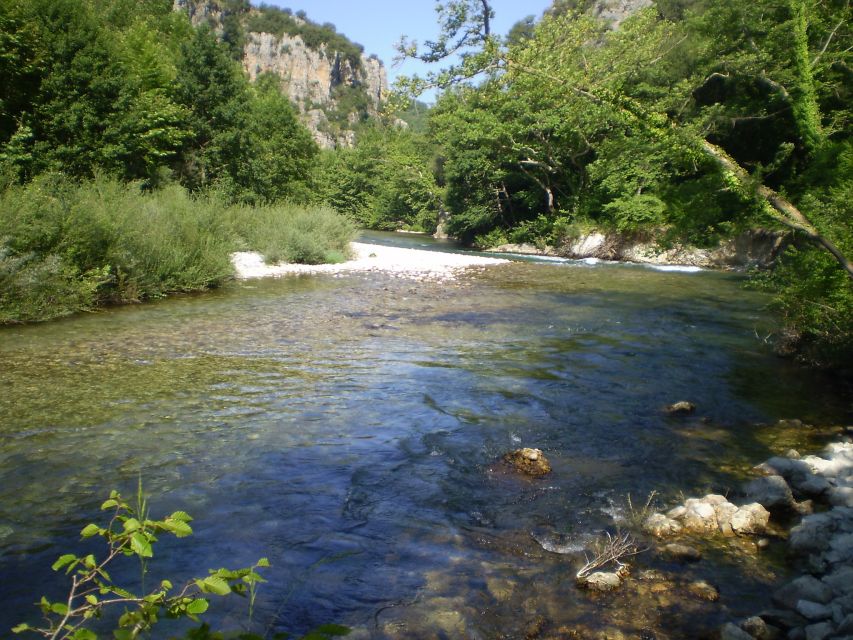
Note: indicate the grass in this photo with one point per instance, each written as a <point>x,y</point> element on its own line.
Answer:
<point>67,247</point>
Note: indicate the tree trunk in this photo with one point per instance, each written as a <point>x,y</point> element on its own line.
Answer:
<point>780,208</point>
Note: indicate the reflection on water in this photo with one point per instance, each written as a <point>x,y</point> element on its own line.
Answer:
<point>348,428</point>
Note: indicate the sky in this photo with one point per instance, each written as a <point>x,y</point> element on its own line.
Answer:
<point>378,24</point>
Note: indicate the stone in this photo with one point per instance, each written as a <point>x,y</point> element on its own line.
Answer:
<point>813,611</point>
<point>841,496</point>
<point>771,492</point>
<point>802,588</point>
<point>700,516</point>
<point>601,581</point>
<point>750,519</point>
<point>682,553</point>
<point>660,526</point>
<point>704,591</point>
<point>529,461</point>
<point>730,631</point>
<point>818,631</point>
<point>756,628</point>
<point>845,627</point>
<point>681,408</point>
<point>783,618</point>
<point>797,634</point>
<point>812,534</point>
<point>840,581</point>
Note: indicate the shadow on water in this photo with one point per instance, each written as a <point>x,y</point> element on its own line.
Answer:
<point>349,428</point>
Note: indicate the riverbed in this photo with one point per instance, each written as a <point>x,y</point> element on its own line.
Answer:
<point>349,427</point>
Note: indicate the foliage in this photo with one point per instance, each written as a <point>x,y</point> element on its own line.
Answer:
<point>271,19</point>
<point>131,533</point>
<point>68,246</point>
<point>385,181</point>
<point>287,233</point>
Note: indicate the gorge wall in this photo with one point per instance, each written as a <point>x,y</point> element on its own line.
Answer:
<point>333,89</point>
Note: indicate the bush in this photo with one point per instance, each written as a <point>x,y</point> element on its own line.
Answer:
<point>68,247</point>
<point>286,233</point>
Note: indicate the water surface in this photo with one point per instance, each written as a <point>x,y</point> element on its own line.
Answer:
<point>350,429</point>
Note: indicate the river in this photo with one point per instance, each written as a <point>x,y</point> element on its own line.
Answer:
<point>350,429</point>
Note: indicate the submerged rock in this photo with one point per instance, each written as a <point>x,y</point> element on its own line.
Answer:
<point>682,553</point>
<point>601,581</point>
<point>681,408</point>
<point>732,632</point>
<point>529,461</point>
<point>704,591</point>
<point>661,526</point>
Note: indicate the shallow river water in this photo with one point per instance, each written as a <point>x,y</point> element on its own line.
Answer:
<point>350,428</point>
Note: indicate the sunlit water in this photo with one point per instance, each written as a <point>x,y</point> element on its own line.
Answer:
<point>350,429</point>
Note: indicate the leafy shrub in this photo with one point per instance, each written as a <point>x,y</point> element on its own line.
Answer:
<point>287,233</point>
<point>636,212</point>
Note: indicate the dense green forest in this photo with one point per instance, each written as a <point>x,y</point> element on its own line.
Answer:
<point>686,124</point>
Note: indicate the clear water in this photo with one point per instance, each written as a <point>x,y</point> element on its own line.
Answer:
<point>350,428</point>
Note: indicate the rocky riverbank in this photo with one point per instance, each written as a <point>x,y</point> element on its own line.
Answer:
<point>758,248</point>
<point>815,493</point>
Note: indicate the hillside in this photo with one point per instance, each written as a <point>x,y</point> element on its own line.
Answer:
<point>331,81</point>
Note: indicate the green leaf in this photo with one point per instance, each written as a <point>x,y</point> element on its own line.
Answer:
<point>263,562</point>
<point>180,528</point>
<point>215,585</point>
<point>63,560</point>
<point>92,598</point>
<point>183,516</point>
<point>84,634</point>
<point>197,606</point>
<point>21,628</point>
<point>59,608</point>
<point>140,545</point>
<point>109,504</point>
<point>90,530</point>
<point>131,524</point>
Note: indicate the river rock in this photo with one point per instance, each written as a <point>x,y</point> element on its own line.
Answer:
<point>771,492</point>
<point>699,516</point>
<point>681,408</point>
<point>819,631</point>
<point>601,581</point>
<point>845,627</point>
<point>758,629</point>
<point>730,631</point>
<point>840,581</point>
<point>813,533</point>
<point>661,526</point>
<point>682,553</point>
<point>802,588</point>
<point>750,519</point>
<point>813,611</point>
<point>704,591</point>
<point>530,461</point>
<point>782,618</point>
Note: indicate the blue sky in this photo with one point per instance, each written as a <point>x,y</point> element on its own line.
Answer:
<point>378,24</point>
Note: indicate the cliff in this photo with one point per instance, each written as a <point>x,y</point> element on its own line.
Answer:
<point>327,77</point>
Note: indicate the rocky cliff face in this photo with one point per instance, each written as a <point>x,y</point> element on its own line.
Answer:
<point>615,11</point>
<point>332,91</point>
<point>313,78</point>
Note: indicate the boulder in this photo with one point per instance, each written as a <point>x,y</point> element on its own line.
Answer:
<point>529,461</point>
<point>750,519</point>
<point>840,581</point>
<point>812,534</point>
<point>771,492</point>
<point>813,611</point>
<point>819,631</point>
<point>758,629</point>
<point>681,408</point>
<point>802,588</point>
<point>700,516</point>
<point>661,526</point>
<point>601,581</point>
<point>782,618</point>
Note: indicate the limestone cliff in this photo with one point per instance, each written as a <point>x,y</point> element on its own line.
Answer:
<point>615,11</point>
<point>331,88</point>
